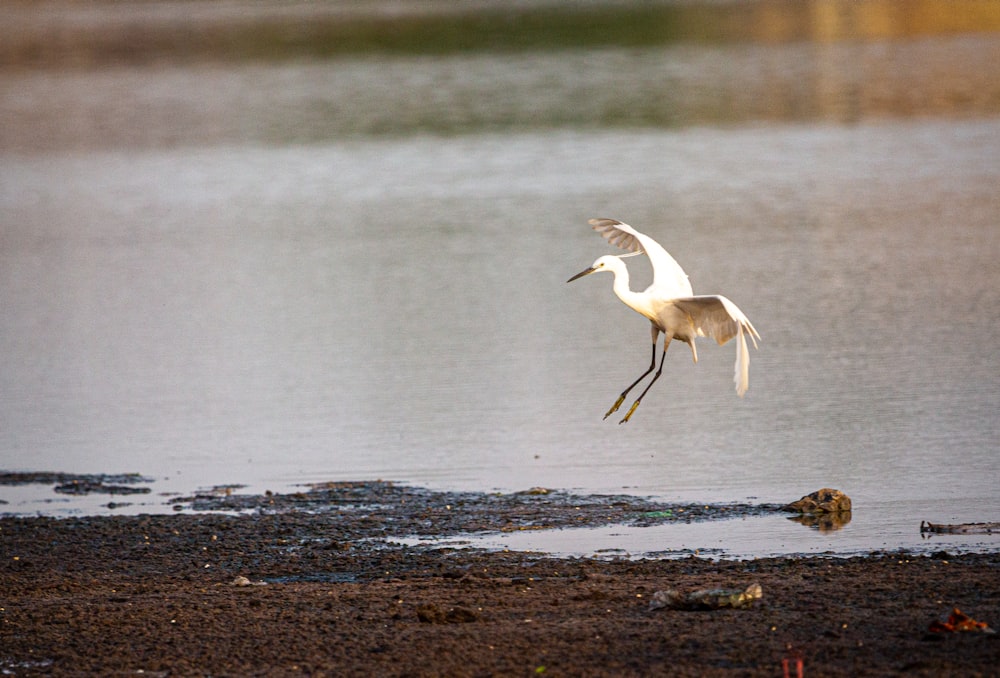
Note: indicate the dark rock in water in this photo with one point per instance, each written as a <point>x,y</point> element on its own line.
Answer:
<point>62,479</point>
<point>821,501</point>
<point>963,528</point>
<point>79,487</point>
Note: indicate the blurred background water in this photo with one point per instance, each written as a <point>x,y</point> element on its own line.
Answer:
<point>277,243</point>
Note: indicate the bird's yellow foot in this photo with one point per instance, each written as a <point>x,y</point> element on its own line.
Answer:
<point>629,413</point>
<point>614,408</point>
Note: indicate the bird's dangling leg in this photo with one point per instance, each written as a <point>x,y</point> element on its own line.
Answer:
<point>621,398</point>
<point>651,382</point>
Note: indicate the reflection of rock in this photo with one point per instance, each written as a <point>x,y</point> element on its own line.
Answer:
<point>821,501</point>
<point>824,522</point>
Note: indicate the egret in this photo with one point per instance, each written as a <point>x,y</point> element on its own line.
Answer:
<point>671,306</point>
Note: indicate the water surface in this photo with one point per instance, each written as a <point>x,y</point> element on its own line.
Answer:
<point>273,273</point>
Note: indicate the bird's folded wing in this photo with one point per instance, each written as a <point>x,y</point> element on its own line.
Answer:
<point>717,317</point>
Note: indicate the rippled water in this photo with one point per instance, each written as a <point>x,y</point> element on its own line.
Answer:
<point>276,273</point>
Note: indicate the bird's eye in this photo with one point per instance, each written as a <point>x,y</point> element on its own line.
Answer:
<point>600,265</point>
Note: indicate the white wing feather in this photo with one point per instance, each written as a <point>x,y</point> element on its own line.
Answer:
<point>719,318</point>
<point>669,279</point>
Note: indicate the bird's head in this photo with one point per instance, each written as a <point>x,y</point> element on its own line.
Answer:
<point>605,263</point>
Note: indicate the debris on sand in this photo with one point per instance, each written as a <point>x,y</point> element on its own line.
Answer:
<point>245,581</point>
<point>959,621</point>
<point>792,660</point>
<point>706,599</point>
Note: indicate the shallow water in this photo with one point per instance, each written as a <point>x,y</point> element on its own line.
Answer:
<point>745,538</point>
<point>278,273</point>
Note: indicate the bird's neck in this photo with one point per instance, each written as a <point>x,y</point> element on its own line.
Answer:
<point>634,300</point>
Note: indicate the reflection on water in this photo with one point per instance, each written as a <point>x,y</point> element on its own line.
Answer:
<point>824,522</point>
<point>672,87</point>
<point>98,33</point>
<point>757,537</point>
<point>890,64</point>
<point>270,272</point>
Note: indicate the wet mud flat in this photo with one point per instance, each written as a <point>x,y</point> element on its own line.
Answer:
<point>314,583</point>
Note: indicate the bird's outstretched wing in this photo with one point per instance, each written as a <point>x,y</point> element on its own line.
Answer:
<point>719,318</point>
<point>669,279</point>
<point>716,317</point>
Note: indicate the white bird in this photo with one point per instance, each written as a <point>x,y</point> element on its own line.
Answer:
<point>671,306</point>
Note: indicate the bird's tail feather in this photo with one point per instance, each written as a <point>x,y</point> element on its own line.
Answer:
<point>742,376</point>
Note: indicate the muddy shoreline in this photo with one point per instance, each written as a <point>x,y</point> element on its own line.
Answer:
<point>312,583</point>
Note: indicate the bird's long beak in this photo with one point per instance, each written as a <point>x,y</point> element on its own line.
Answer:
<point>582,273</point>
